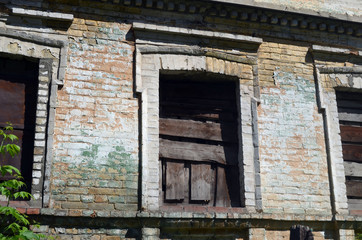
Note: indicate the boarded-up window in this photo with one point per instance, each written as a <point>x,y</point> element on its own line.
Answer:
<point>350,119</point>
<point>18,99</point>
<point>199,141</point>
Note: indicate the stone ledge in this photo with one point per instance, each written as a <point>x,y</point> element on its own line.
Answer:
<point>41,14</point>
<point>327,49</point>
<point>351,70</point>
<point>239,214</point>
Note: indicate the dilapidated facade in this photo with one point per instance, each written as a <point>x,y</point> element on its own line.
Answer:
<point>160,119</point>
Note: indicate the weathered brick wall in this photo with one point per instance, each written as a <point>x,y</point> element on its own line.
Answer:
<point>95,165</point>
<point>292,150</point>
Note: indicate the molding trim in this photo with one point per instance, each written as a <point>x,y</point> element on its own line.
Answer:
<point>327,49</point>
<point>62,44</point>
<point>195,32</point>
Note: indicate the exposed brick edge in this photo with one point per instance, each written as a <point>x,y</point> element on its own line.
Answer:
<point>29,211</point>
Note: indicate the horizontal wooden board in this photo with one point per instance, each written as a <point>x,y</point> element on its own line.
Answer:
<point>350,117</point>
<point>349,104</point>
<point>12,102</point>
<point>196,129</point>
<point>355,204</point>
<point>353,169</point>
<point>196,106</point>
<point>201,103</point>
<point>352,152</point>
<point>351,134</point>
<point>350,96</point>
<point>197,152</point>
<point>196,114</point>
<point>195,89</point>
<point>354,188</point>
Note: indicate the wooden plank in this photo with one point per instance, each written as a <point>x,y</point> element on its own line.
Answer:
<point>350,117</point>
<point>201,182</point>
<point>351,133</point>
<point>354,188</point>
<point>222,194</point>
<point>197,152</point>
<point>354,204</point>
<point>350,96</point>
<point>349,104</point>
<point>12,102</point>
<point>189,113</point>
<point>212,103</point>
<point>233,183</point>
<point>200,130</point>
<point>353,169</point>
<point>175,181</point>
<point>197,89</point>
<point>352,152</point>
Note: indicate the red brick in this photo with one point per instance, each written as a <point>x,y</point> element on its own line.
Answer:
<point>172,208</point>
<point>195,209</point>
<point>21,210</point>
<point>33,211</point>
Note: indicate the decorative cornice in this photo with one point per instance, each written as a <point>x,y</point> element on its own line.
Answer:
<point>195,32</point>
<point>289,8</point>
<point>248,14</point>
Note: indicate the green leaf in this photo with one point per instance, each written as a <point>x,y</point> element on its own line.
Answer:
<point>12,137</point>
<point>10,170</point>
<point>9,126</point>
<point>27,234</point>
<point>22,194</point>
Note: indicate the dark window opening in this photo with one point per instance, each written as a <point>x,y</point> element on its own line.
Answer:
<point>18,101</point>
<point>350,120</point>
<point>199,140</point>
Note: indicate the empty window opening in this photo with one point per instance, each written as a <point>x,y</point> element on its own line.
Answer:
<point>199,140</point>
<point>350,120</point>
<point>18,100</point>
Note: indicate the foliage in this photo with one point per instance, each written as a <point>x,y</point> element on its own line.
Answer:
<point>358,236</point>
<point>13,224</point>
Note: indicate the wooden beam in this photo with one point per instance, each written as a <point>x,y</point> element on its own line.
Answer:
<point>355,204</point>
<point>352,152</point>
<point>354,188</point>
<point>196,129</point>
<point>197,152</point>
<point>350,117</point>
<point>353,169</point>
<point>351,133</point>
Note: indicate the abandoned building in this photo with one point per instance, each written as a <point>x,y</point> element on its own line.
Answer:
<point>170,119</point>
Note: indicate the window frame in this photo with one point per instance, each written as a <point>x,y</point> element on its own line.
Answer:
<point>198,80</point>
<point>153,56</point>
<point>328,81</point>
<point>51,55</point>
